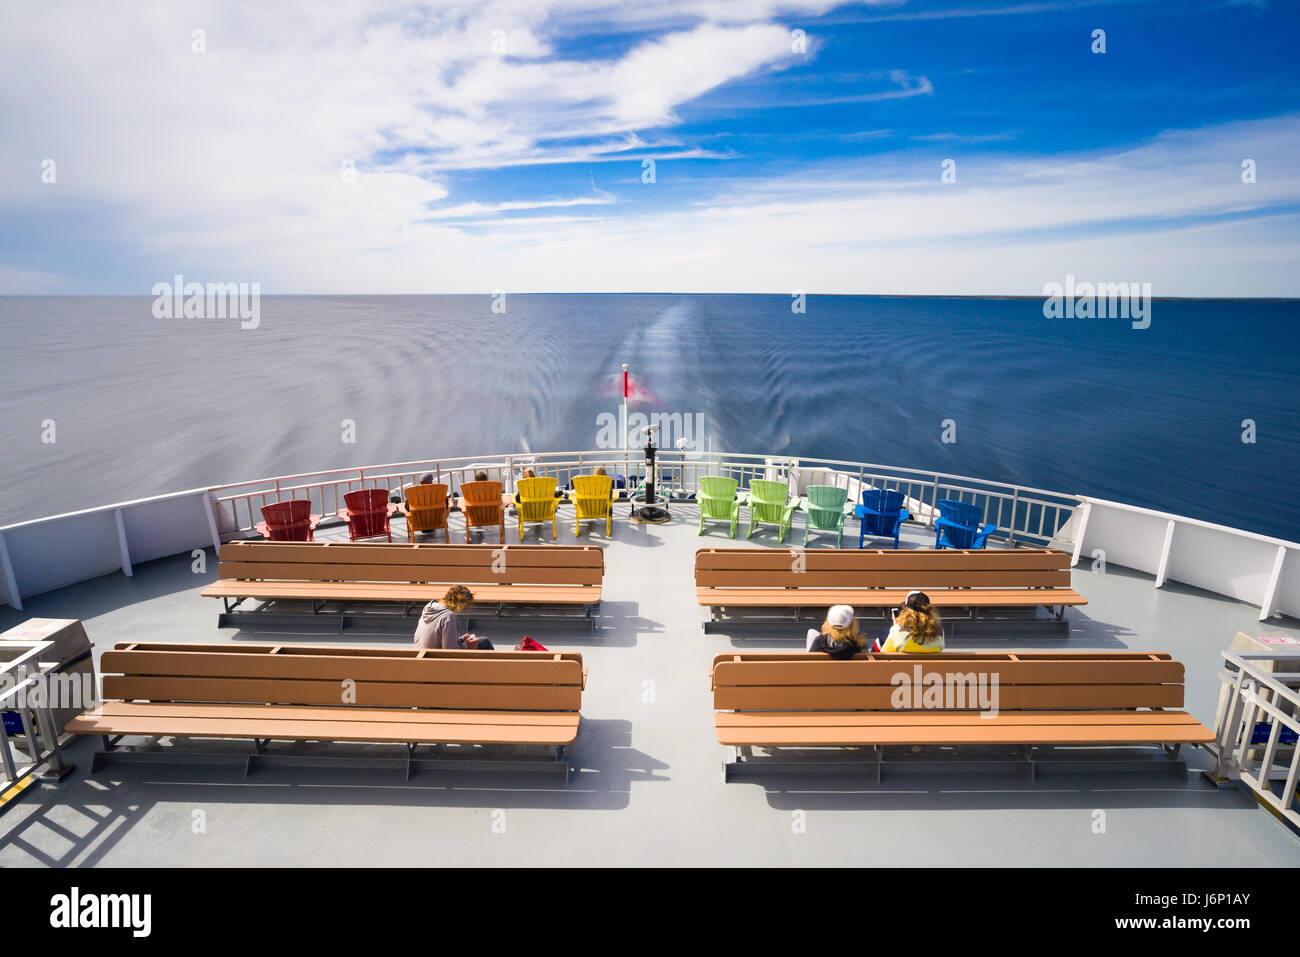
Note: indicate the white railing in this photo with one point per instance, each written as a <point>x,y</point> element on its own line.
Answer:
<point>50,553</point>
<point>21,693</point>
<point>1262,703</point>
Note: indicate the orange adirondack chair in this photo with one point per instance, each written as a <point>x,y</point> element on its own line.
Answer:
<point>290,521</point>
<point>426,509</point>
<point>483,506</point>
<point>367,513</point>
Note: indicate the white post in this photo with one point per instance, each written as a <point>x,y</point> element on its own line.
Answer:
<point>121,541</point>
<point>1270,592</point>
<point>11,580</point>
<point>1164,553</point>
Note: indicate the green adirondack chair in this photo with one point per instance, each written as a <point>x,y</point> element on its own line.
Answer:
<point>717,500</point>
<point>769,504</point>
<point>824,511</point>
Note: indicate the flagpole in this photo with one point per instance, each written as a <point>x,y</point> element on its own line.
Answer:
<point>623,418</point>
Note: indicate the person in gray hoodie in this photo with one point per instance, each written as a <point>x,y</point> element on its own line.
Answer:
<point>440,628</point>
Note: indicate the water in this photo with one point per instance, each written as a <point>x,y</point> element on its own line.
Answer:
<point>1152,417</point>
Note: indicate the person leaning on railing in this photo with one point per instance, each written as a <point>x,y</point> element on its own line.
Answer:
<point>916,628</point>
<point>839,636</point>
<point>440,628</point>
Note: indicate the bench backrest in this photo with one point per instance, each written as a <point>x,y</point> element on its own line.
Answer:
<point>359,677</point>
<point>885,568</point>
<point>421,562</point>
<point>1039,681</point>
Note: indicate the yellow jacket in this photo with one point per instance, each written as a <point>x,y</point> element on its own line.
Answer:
<point>900,639</point>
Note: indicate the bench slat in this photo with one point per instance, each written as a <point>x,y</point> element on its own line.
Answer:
<point>833,697</point>
<point>883,597</point>
<point>852,559</point>
<point>389,694</point>
<point>826,672</point>
<point>375,572</point>
<point>991,733</point>
<point>164,709</point>
<point>935,719</point>
<point>540,671</point>
<point>398,553</point>
<point>338,730</point>
<point>378,591</point>
<point>364,651</point>
<point>840,578</point>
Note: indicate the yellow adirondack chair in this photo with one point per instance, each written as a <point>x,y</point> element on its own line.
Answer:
<point>593,498</point>
<point>537,504</point>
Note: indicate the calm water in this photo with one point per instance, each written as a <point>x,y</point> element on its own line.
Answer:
<point>1152,417</point>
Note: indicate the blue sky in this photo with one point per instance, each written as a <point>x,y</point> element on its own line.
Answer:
<point>500,145</point>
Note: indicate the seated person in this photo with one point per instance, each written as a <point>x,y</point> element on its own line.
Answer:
<point>839,636</point>
<point>916,628</point>
<point>425,479</point>
<point>440,628</point>
<point>531,473</point>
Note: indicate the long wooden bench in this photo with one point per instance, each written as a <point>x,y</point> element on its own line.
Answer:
<point>336,577</point>
<point>269,693</point>
<point>877,703</point>
<point>974,590</point>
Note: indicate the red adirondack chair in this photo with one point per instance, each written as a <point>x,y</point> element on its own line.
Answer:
<point>367,513</point>
<point>290,521</point>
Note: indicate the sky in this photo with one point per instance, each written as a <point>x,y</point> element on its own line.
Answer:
<point>744,146</point>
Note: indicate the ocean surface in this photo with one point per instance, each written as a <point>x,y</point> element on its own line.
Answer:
<point>137,405</point>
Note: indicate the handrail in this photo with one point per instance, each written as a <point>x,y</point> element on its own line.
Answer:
<point>1263,570</point>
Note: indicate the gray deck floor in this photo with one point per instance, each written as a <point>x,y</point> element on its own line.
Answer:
<point>650,789</point>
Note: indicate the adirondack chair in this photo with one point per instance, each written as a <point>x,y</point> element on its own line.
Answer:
<point>537,504</point>
<point>824,511</point>
<point>426,509</point>
<point>958,526</point>
<point>593,498</point>
<point>483,506</point>
<point>881,514</point>
<point>718,502</point>
<point>769,504</point>
<point>367,513</point>
<point>288,521</point>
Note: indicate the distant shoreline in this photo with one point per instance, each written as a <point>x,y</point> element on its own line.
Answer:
<point>817,295</point>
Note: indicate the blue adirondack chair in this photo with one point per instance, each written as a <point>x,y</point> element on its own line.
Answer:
<point>958,526</point>
<point>881,514</point>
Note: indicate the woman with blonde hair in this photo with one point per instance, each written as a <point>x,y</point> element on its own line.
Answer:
<point>440,628</point>
<point>916,628</point>
<point>839,636</point>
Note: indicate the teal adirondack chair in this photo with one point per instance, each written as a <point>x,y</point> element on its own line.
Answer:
<point>824,511</point>
<point>717,501</point>
<point>769,504</point>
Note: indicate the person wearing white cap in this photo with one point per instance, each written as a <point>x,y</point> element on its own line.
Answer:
<point>839,636</point>
<point>916,628</point>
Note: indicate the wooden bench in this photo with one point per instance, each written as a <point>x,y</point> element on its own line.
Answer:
<point>974,590</point>
<point>266,693</point>
<point>336,577</point>
<point>1043,701</point>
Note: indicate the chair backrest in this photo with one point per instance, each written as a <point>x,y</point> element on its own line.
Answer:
<point>718,487</point>
<point>827,497</point>
<point>537,501</point>
<point>306,675</point>
<point>886,503</point>
<point>436,564</point>
<point>368,511</point>
<point>427,505</point>
<point>769,492</point>
<point>883,568</point>
<point>482,503</point>
<point>1039,681</point>
<point>963,514</point>
<point>591,495</point>
<point>288,521</point>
